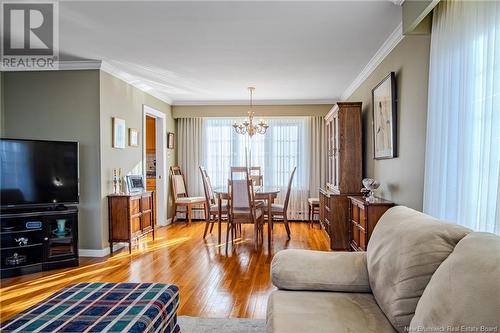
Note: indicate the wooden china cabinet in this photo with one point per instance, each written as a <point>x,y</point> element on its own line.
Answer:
<point>343,172</point>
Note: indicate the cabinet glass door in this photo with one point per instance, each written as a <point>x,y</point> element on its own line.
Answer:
<point>61,238</point>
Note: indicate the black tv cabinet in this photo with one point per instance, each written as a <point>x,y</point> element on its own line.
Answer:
<point>40,240</point>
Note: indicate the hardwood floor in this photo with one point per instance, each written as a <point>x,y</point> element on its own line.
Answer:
<point>212,283</point>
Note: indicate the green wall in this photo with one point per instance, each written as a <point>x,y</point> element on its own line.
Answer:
<point>119,99</point>
<point>402,178</point>
<point>62,105</point>
<point>78,106</point>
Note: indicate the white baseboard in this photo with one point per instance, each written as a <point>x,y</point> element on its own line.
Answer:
<point>102,252</point>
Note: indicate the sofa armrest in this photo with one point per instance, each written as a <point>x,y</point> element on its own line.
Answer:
<point>316,270</point>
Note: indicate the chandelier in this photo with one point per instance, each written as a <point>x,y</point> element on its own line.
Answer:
<point>248,126</point>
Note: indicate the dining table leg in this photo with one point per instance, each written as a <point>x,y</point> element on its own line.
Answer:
<point>219,221</point>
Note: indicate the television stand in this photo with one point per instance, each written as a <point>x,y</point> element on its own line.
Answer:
<point>38,240</point>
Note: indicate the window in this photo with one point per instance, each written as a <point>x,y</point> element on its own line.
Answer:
<point>277,152</point>
<point>462,182</point>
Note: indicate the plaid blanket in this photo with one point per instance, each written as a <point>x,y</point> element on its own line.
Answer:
<point>102,307</point>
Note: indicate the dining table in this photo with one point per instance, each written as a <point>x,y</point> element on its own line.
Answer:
<point>266,193</point>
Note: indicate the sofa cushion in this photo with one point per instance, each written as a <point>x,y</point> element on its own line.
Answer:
<point>465,290</point>
<point>294,269</point>
<point>405,249</point>
<point>317,312</point>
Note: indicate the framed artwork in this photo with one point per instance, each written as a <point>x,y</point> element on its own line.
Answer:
<point>119,133</point>
<point>170,140</point>
<point>133,137</point>
<point>385,118</point>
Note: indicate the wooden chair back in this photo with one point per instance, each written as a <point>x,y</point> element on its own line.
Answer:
<point>289,189</point>
<point>256,175</point>
<point>207,186</point>
<point>240,191</point>
<point>179,186</point>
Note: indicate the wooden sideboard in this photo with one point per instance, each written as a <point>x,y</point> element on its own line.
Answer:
<point>333,217</point>
<point>343,171</point>
<point>363,217</point>
<point>131,216</point>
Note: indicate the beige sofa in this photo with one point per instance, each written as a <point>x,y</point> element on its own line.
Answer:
<point>419,274</point>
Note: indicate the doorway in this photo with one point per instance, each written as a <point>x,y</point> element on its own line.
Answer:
<point>155,160</point>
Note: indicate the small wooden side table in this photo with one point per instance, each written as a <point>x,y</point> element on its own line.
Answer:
<point>363,217</point>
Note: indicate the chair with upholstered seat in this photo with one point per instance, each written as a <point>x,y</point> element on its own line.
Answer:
<point>280,210</point>
<point>212,207</point>
<point>181,197</point>
<point>313,204</point>
<point>242,205</point>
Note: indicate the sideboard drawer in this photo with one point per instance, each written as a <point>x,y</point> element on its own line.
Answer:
<point>363,217</point>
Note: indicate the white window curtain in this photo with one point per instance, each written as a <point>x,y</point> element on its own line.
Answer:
<point>462,182</point>
<point>190,137</point>
<point>289,142</point>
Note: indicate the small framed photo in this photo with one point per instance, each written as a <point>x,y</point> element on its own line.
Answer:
<point>135,183</point>
<point>170,140</point>
<point>385,118</point>
<point>119,133</point>
<point>133,137</point>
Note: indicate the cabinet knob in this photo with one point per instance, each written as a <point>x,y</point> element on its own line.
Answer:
<point>46,239</point>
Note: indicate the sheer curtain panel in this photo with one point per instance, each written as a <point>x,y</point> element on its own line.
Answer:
<point>190,138</point>
<point>462,181</point>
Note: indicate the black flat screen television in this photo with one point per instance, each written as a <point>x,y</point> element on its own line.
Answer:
<point>38,173</point>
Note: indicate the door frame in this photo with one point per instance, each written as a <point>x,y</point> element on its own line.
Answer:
<point>161,161</point>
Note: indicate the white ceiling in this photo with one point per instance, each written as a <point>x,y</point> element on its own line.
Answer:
<point>206,52</point>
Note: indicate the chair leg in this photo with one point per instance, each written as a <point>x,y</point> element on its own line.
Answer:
<point>212,224</point>
<point>269,233</point>
<point>190,213</point>
<point>287,227</point>
<point>206,228</point>
<point>174,218</point>
<point>256,234</point>
<point>227,234</point>
<point>309,213</point>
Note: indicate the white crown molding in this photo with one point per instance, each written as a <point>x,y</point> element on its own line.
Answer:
<point>261,102</point>
<point>100,253</point>
<point>394,38</point>
<point>106,67</point>
<point>62,65</point>
<point>79,65</point>
<point>398,2</point>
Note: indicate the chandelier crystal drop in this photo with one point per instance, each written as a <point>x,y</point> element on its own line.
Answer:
<point>248,126</point>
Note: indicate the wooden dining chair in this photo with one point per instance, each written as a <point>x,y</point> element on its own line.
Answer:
<point>256,176</point>
<point>280,210</point>
<point>313,204</point>
<point>212,207</point>
<point>242,205</point>
<point>181,197</point>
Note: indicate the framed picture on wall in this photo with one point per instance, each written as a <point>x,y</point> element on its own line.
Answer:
<point>119,133</point>
<point>170,140</point>
<point>133,137</point>
<point>385,118</point>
